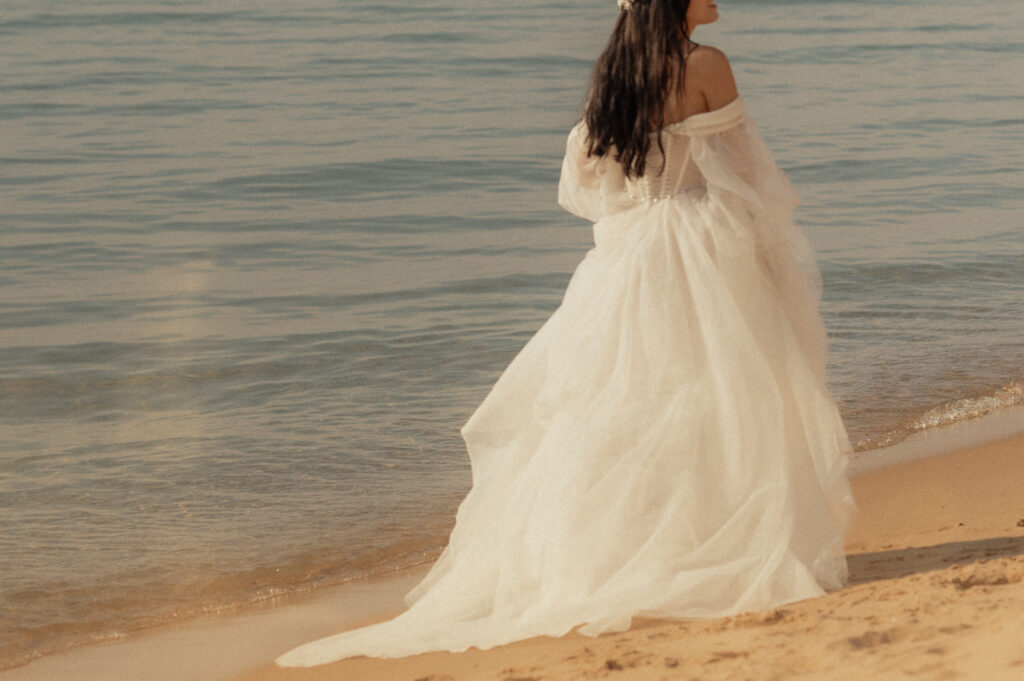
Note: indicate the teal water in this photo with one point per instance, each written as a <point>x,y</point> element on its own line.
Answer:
<point>260,263</point>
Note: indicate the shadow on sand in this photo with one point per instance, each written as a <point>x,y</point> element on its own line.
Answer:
<point>878,565</point>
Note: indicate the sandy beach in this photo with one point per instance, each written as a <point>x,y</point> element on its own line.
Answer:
<point>936,592</point>
<point>262,262</point>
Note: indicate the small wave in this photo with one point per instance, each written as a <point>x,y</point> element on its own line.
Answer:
<point>954,411</point>
<point>961,410</point>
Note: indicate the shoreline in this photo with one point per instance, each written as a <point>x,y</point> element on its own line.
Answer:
<point>928,517</point>
<point>218,647</point>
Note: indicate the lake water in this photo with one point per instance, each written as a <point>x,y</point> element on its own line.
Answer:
<point>261,260</point>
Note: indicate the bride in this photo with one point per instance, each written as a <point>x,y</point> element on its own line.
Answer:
<point>665,445</point>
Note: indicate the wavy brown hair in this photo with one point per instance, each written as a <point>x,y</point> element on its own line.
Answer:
<point>644,59</point>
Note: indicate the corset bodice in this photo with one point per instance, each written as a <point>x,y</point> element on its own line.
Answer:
<point>670,170</point>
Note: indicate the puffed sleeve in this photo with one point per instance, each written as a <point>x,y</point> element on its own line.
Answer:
<point>737,160</point>
<point>591,187</point>
<point>739,170</point>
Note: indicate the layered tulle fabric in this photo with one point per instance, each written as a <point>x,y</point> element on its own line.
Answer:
<point>665,445</point>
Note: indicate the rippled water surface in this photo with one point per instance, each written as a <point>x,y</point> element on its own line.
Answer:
<point>260,261</point>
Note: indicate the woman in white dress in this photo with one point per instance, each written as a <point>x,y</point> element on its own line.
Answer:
<point>665,445</point>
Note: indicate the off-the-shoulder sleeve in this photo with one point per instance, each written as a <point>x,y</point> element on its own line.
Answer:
<point>591,187</point>
<point>737,169</point>
<point>736,160</point>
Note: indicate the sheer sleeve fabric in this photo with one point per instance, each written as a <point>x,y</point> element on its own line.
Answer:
<point>736,163</point>
<point>591,187</point>
<point>736,160</point>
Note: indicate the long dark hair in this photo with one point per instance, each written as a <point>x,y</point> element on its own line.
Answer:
<point>644,59</point>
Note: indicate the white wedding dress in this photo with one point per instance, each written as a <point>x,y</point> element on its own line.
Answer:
<point>665,445</point>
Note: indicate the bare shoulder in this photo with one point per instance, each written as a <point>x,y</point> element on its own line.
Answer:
<point>708,70</point>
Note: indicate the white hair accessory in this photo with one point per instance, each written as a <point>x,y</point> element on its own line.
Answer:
<point>625,4</point>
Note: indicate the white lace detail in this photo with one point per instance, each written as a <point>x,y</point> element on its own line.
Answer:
<point>625,4</point>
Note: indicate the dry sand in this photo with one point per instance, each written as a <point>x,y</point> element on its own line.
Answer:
<point>936,592</point>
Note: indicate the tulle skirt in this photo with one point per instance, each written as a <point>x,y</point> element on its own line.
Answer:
<point>664,446</point>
